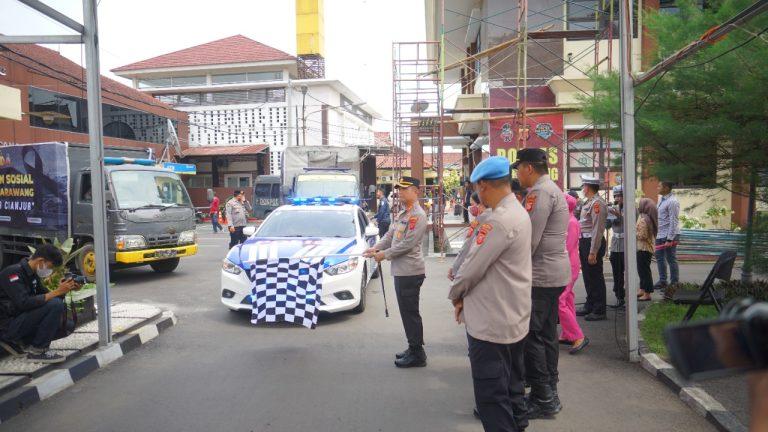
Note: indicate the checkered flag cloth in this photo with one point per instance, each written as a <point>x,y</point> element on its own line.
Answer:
<point>286,290</point>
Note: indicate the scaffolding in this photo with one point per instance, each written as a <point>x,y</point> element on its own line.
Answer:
<point>420,88</point>
<point>417,112</point>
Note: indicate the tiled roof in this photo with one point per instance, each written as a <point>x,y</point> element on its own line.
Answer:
<point>49,62</point>
<point>216,150</point>
<point>234,49</point>
<point>450,160</point>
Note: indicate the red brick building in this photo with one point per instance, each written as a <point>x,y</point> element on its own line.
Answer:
<point>53,104</point>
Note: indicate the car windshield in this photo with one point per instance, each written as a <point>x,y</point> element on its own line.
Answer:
<point>308,223</point>
<point>145,188</point>
<point>314,185</point>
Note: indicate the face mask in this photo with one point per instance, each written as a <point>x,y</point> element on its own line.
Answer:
<point>44,272</point>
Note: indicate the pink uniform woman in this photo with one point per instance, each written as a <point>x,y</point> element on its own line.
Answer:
<point>571,333</point>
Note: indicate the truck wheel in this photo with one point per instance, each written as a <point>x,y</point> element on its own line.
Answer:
<point>165,266</point>
<point>86,262</point>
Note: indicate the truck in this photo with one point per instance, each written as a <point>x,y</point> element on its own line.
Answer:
<point>45,194</point>
<point>310,172</point>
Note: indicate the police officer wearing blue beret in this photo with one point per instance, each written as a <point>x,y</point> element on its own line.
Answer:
<point>491,295</point>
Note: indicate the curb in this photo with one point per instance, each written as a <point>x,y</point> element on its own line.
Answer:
<point>695,397</point>
<point>56,380</point>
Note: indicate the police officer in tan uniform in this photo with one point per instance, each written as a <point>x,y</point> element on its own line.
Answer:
<point>402,246</point>
<point>546,206</point>
<point>491,294</point>
<point>594,214</point>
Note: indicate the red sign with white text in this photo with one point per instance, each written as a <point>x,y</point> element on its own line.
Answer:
<point>541,131</point>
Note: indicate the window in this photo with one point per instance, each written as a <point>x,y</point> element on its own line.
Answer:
<point>238,97</point>
<point>58,111</point>
<point>238,181</point>
<point>349,107</point>
<point>247,77</point>
<point>200,181</point>
<point>276,192</point>
<point>173,82</point>
<point>596,15</point>
<point>229,78</point>
<point>308,223</point>
<point>137,189</point>
<point>362,221</point>
<point>261,190</point>
<point>86,195</point>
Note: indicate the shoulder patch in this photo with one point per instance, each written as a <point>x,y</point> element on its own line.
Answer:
<point>530,202</point>
<point>412,222</point>
<point>484,230</point>
<point>472,226</point>
<point>13,277</point>
<point>596,206</point>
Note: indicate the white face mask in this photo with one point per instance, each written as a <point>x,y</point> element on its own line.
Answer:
<point>44,272</point>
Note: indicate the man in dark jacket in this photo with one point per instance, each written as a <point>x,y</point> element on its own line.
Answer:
<point>30,315</point>
<point>383,218</point>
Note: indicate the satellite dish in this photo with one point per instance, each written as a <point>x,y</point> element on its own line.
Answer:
<point>172,140</point>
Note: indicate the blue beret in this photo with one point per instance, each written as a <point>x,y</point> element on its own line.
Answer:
<point>493,168</point>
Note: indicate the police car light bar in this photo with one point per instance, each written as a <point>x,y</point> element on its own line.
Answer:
<point>125,160</point>
<point>323,200</point>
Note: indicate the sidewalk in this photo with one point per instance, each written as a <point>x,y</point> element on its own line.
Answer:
<point>23,383</point>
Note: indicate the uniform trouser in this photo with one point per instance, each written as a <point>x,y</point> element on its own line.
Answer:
<point>541,347</point>
<point>236,237</point>
<point>617,267</point>
<point>407,289</point>
<point>644,270</point>
<point>215,222</point>
<point>383,228</point>
<point>666,256</point>
<point>39,326</point>
<point>497,376</point>
<point>594,281</point>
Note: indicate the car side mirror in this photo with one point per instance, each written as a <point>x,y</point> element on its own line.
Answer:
<point>371,231</point>
<point>249,231</point>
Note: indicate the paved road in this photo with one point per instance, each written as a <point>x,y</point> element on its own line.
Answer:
<point>216,372</point>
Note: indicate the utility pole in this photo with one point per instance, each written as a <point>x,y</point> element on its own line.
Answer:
<point>88,34</point>
<point>304,89</point>
<point>629,176</point>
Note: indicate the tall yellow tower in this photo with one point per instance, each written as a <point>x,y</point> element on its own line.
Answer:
<point>310,40</point>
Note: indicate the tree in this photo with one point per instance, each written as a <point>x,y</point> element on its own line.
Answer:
<point>705,121</point>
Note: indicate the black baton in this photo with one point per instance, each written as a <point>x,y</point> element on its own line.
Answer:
<point>383,291</point>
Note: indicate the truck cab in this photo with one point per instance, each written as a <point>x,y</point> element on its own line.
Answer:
<point>267,195</point>
<point>150,218</point>
<point>324,182</point>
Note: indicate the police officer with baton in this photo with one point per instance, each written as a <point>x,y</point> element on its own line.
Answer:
<point>402,246</point>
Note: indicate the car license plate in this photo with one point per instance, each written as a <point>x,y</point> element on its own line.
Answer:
<point>171,253</point>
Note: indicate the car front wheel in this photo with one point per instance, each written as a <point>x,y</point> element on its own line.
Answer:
<point>363,283</point>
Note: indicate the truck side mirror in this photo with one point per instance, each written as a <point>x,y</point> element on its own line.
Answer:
<point>286,190</point>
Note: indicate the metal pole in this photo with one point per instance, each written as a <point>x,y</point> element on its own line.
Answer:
<point>91,39</point>
<point>629,176</point>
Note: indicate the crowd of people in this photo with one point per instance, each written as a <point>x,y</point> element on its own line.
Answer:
<point>512,281</point>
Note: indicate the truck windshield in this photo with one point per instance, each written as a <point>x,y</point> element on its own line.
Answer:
<point>313,185</point>
<point>134,189</point>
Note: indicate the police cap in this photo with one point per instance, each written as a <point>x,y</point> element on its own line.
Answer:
<point>406,181</point>
<point>493,168</point>
<point>530,155</point>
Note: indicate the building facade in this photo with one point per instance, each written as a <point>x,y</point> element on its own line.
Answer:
<point>581,38</point>
<point>48,93</point>
<point>239,92</point>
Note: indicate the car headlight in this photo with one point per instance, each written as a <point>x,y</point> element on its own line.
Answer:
<point>343,267</point>
<point>230,267</point>
<point>127,242</point>
<point>187,237</point>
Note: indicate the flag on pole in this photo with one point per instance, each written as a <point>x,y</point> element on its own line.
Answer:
<point>286,290</point>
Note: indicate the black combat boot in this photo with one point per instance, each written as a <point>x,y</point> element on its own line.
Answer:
<point>416,358</point>
<point>402,354</point>
<point>542,402</point>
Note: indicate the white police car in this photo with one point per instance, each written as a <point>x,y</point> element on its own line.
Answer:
<point>310,227</point>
